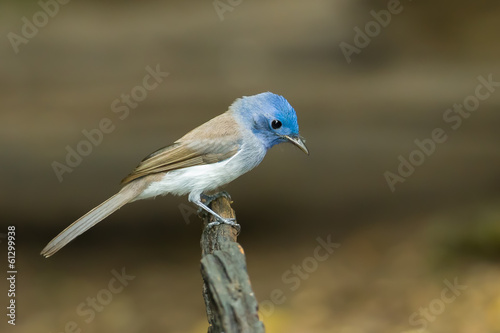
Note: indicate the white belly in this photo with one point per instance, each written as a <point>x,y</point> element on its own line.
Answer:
<point>198,179</point>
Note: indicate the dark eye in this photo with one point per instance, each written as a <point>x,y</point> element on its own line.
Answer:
<point>276,124</point>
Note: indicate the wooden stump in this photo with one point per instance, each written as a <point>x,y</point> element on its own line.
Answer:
<point>230,302</point>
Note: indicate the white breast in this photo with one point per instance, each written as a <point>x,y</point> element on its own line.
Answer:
<point>197,179</point>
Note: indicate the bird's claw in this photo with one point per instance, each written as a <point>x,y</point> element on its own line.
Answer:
<point>209,198</point>
<point>228,221</point>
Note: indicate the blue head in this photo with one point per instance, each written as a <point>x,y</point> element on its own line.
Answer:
<point>271,118</point>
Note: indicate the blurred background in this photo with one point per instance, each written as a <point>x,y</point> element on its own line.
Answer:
<point>367,79</point>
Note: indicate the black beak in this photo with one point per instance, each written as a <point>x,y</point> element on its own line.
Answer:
<point>298,141</point>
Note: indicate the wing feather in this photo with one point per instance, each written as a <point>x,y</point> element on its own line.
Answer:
<point>212,142</point>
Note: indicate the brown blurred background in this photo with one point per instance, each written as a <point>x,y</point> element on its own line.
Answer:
<point>398,250</point>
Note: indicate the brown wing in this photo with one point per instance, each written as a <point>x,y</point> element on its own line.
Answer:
<point>212,142</point>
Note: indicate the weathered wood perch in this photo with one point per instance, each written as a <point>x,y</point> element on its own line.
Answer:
<point>230,302</point>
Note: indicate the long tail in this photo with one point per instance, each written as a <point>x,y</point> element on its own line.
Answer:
<point>87,221</point>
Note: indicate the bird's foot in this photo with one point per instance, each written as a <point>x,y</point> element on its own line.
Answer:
<point>207,199</point>
<point>228,221</point>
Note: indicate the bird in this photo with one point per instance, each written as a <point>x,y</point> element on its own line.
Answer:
<point>206,158</point>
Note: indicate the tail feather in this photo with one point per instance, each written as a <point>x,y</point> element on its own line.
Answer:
<point>89,220</point>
